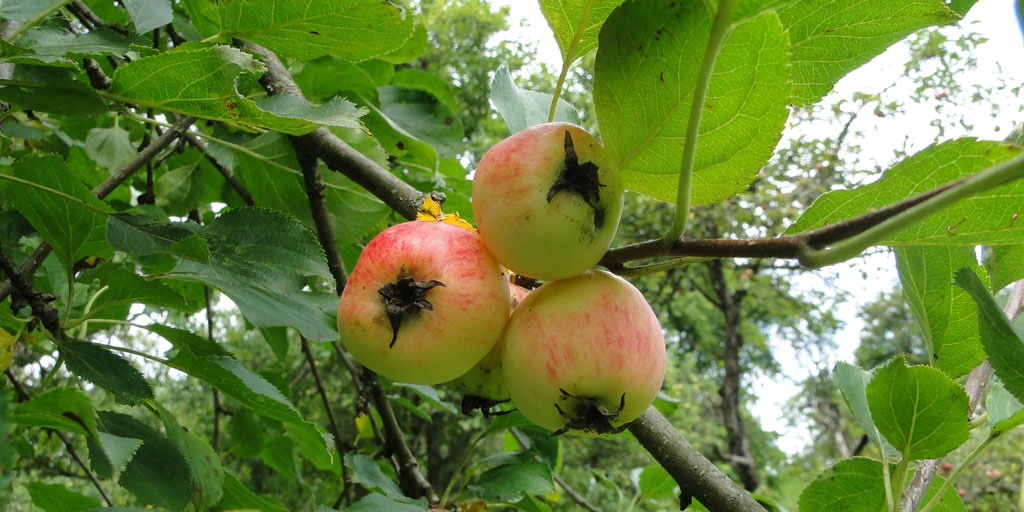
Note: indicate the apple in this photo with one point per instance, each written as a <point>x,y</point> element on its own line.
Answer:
<point>584,355</point>
<point>547,201</point>
<point>484,385</point>
<point>424,303</point>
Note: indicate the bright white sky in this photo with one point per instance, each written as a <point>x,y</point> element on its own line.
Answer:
<point>1000,56</point>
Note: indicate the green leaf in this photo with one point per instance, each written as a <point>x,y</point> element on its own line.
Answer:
<point>8,453</point>
<point>149,14</point>
<point>110,454</point>
<point>919,410</point>
<point>946,314</point>
<point>261,259</point>
<point>158,474</point>
<point>239,497</point>
<point>1005,265</point>
<point>367,473</point>
<point>327,77</point>
<point>521,108</point>
<point>851,485</point>
<point>58,498</point>
<point>308,29</point>
<point>205,469</point>
<point>379,502</point>
<point>56,41</point>
<point>59,206</point>
<point>576,23</point>
<point>109,147</point>
<point>987,218</point>
<point>830,38</point>
<point>203,80</point>
<point>29,11</point>
<point>273,178</point>
<point>64,94</point>
<point>515,476</point>
<point>64,409</point>
<point>245,433</point>
<point>1004,348</point>
<point>1004,411</point>
<point>107,370</point>
<point>647,66</point>
<point>950,501</point>
<point>853,381</point>
<point>654,482</point>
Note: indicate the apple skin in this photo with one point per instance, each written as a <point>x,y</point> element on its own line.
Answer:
<point>468,316</point>
<point>529,234</point>
<point>591,337</point>
<point>487,379</point>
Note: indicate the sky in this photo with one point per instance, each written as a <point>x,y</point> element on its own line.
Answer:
<point>998,58</point>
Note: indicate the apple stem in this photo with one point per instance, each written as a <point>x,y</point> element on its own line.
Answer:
<point>719,31</point>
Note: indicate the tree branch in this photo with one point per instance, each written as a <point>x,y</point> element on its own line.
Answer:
<point>29,266</point>
<point>339,156</point>
<point>697,476</point>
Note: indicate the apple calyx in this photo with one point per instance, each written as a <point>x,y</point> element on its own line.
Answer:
<point>589,415</point>
<point>579,178</point>
<point>405,296</point>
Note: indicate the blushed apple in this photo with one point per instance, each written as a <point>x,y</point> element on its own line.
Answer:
<point>584,355</point>
<point>425,302</point>
<point>547,201</point>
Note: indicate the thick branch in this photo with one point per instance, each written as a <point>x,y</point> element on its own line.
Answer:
<point>697,476</point>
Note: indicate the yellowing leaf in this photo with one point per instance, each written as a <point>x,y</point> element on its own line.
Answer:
<point>430,211</point>
<point>6,349</point>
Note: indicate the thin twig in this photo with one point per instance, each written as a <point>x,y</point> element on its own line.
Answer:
<point>316,192</point>
<point>29,266</point>
<point>23,396</point>
<point>326,402</point>
<point>409,472</point>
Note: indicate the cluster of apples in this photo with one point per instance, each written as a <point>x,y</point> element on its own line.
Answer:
<point>432,302</point>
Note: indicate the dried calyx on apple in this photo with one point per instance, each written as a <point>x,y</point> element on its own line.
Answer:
<point>547,201</point>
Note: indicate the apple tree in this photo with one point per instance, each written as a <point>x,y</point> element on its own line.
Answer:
<point>187,187</point>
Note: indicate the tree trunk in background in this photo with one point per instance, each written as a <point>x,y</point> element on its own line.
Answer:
<point>740,457</point>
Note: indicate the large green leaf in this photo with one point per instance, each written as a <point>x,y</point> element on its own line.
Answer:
<point>237,496</point>
<point>576,23</point>
<point>261,259</point>
<point>204,466</point>
<point>946,314</point>
<point>367,473</point>
<point>59,206</point>
<point>64,94</point>
<point>987,218</point>
<point>211,363</point>
<point>379,502</point>
<point>64,409</point>
<point>107,370</point>
<point>158,473</point>
<point>510,476</point>
<point>852,485</point>
<point>123,288</point>
<point>58,498</point>
<point>919,409</point>
<point>1004,411</point>
<point>647,65</point>
<point>307,29</point>
<point>204,80</point>
<point>48,42</point>
<point>29,11</point>
<point>830,38</point>
<point>1004,348</point>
